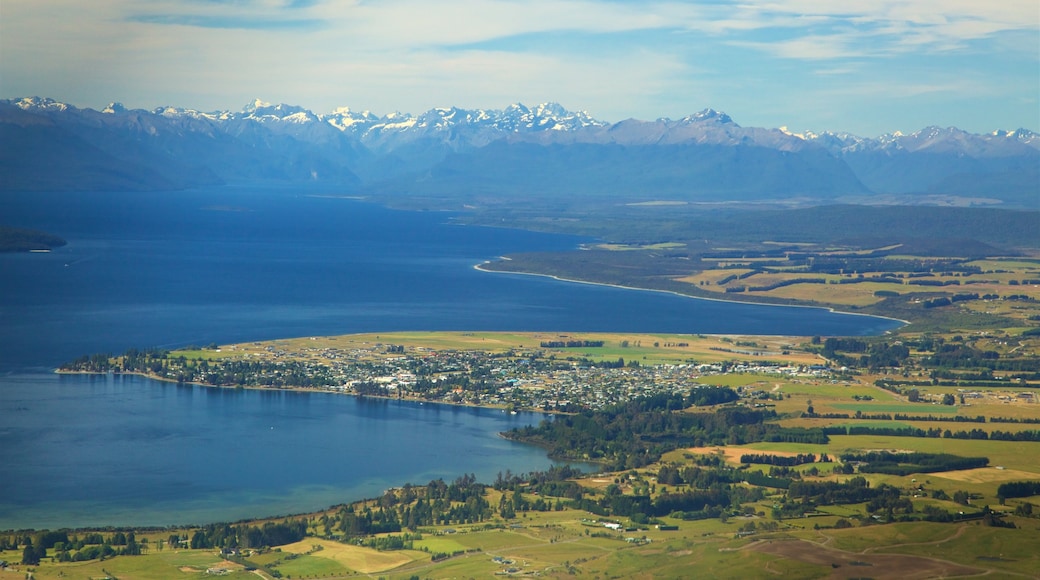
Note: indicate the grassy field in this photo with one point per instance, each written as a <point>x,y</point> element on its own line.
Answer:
<point>573,543</point>
<point>999,277</point>
<point>646,348</point>
<point>335,557</point>
<point>153,566</point>
<point>908,408</point>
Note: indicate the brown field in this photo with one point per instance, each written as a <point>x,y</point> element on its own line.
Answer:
<point>845,294</point>
<point>701,348</point>
<point>986,475</point>
<point>862,565</point>
<point>364,560</point>
<point>862,294</point>
<point>732,454</point>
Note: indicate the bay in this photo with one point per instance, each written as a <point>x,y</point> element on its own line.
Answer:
<point>236,265</point>
<point>127,451</point>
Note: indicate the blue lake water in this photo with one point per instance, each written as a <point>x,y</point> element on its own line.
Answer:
<point>234,265</point>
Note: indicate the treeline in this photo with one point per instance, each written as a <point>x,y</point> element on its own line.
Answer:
<point>639,508</point>
<point>637,433</point>
<point>701,478</point>
<point>1018,489</point>
<point>916,462</point>
<point>75,548</point>
<point>945,356</point>
<point>783,283</point>
<point>855,490</point>
<point>874,355</point>
<point>934,432</point>
<point>904,417</point>
<point>948,300</point>
<point>571,343</point>
<point>803,497</point>
<point>94,363</point>
<point>553,482</point>
<point>227,536</point>
<point>708,395</point>
<point>888,267</point>
<point>923,418</point>
<point>781,460</point>
<point>436,503</point>
<point>1027,420</point>
<point>463,501</point>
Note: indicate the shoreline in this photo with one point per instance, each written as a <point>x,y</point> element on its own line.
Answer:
<point>311,390</point>
<point>173,525</point>
<point>479,267</point>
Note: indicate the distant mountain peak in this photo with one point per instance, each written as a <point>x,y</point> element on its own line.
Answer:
<point>39,103</point>
<point>115,107</point>
<point>708,115</point>
<point>255,105</point>
<point>281,141</point>
<point>516,107</point>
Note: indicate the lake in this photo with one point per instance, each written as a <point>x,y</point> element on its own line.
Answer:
<point>235,265</point>
<point>124,450</point>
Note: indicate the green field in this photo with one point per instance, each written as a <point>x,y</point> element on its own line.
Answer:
<point>907,409</point>
<point>575,543</point>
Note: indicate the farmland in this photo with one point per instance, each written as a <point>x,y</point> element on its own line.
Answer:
<point>671,503</point>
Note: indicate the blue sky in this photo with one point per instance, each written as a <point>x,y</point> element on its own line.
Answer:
<point>863,66</point>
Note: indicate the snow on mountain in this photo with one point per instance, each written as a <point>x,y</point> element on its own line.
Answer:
<point>344,119</point>
<point>289,142</point>
<point>38,104</point>
<point>707,115</point>
<point>180,113</point>
<point>548,122</point>
<point>266,113</point>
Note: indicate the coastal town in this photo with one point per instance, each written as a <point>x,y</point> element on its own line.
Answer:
<point>554,378</point>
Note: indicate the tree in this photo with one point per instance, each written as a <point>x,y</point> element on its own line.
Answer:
<point>913,396</point>
<point>132,547</point>
<point>948,399</point>
<point>31,556</point>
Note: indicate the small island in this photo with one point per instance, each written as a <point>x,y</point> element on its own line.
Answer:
<point>25,240</point>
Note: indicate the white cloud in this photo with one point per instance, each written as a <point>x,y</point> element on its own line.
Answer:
<point>415,54</point>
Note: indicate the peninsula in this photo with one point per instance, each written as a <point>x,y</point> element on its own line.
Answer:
<point>899,455</point>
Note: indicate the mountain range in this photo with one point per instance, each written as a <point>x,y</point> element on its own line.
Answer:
<point>472,156</point>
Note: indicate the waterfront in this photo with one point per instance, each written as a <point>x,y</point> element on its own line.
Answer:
<point>171,269</point>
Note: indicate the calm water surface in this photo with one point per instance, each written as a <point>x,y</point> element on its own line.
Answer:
<point>240,265</point>
<point>90,450</point>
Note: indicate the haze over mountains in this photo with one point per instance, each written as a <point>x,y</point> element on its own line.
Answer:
<point>470,156</point>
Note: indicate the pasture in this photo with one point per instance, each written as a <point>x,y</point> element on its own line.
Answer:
<point>342,556</point>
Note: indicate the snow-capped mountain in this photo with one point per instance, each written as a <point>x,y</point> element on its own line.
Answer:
<point>499,151</point>
<point>943,160</point>
<point>934,139</point>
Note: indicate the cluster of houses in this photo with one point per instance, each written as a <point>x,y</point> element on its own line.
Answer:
<point>523,379</point>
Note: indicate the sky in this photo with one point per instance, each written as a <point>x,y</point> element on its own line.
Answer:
<point>866,67</point>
